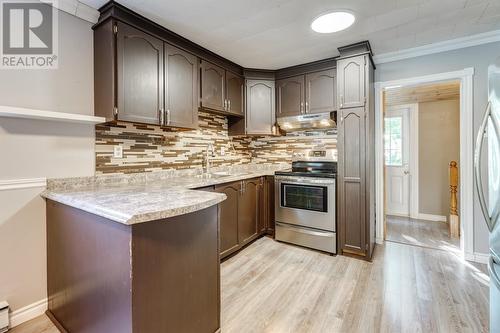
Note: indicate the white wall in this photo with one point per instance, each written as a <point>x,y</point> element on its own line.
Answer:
<point>37,149</point>
<point>478,57</point>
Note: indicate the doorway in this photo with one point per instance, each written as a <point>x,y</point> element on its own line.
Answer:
<point>421,141</point>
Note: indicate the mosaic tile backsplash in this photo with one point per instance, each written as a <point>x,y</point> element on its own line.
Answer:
<point>149,148</point>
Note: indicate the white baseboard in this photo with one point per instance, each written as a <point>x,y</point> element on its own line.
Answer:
<point>28,312</point>
<point>430,217</point>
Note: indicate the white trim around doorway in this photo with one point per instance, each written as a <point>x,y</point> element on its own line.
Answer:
<point>466,190</point>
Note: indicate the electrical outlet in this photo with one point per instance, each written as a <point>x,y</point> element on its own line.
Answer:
<point>222,151</point>
<point>117,151</point>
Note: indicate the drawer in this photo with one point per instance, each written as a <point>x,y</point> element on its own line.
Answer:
<point>312,238</point>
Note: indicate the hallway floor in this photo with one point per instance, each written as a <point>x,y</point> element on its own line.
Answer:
<point>421,233</point>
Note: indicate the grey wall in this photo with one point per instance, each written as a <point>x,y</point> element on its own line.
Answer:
<point>438,145</point>
<point>478,57</point>
<point>66,89</point>
<point>37,149</point>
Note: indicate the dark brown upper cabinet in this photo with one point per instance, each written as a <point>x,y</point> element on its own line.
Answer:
<point>139,78</point>
<point>305,94</point>
<point>260,109</point>
<point>213,85</point>
<point>320,91</point>
<point>234,93</point>
<point>181,88</point>
<point>291,95</point>
<point>221,90</point>
<point>139,75</point>
<point>351,82</point>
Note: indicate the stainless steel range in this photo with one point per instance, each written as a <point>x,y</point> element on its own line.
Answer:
<point>305,201</point>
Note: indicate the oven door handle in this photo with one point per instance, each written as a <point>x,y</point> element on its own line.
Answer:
<point>305,230</point>
<point>303,181</point>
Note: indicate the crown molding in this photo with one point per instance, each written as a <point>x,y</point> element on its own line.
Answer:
<point>448,45</point>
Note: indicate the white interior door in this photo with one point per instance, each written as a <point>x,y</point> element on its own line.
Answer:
<point>397,161</point>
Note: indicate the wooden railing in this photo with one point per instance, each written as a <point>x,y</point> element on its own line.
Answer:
<point>454,222</point>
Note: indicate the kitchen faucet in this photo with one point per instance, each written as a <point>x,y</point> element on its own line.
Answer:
<point>210,152</point>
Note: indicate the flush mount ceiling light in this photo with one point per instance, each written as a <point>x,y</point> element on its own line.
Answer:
<point>333,22</point>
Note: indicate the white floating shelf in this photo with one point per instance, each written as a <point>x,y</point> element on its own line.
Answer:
<point>15,112</point>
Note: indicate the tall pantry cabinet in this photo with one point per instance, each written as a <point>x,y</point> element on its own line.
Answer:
<point>356,150</point>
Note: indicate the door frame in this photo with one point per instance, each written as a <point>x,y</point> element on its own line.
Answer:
<point>413,157</point>
<point>466,191</point>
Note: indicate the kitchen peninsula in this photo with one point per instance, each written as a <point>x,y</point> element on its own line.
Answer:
<point>138,252</point>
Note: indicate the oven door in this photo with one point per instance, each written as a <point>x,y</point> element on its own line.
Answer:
<point>305,201</point>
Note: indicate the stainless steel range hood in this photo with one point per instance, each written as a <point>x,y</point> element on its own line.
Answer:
<point>307,122</point>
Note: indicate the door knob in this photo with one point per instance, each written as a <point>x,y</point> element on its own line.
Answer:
<point>406,172</point>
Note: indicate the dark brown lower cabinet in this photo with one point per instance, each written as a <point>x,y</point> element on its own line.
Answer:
<point>351,174</point>
<point>158,276</point>
<point>228,218</point>
<point>242,216</point>
<point>248,211</point>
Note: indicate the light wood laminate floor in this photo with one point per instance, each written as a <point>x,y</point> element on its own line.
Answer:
<point>275,287</point>
<point>421,233</point>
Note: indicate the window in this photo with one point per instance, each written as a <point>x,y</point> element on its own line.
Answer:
<point>393,149</point>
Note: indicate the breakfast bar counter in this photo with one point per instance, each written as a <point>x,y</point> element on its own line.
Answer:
<point>136,253</point>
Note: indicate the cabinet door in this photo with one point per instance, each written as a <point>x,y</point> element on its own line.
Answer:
<point>248,211</point>
<point>290,96</point>
<point>139,75</point>
<point>351,82</point>
<point>320,92</point>
<point>234,96</point>
<point>228,218</point>
<point>212,86</point>
<point>260,100</point>
<point>181,88</point>
<point>351,181</point>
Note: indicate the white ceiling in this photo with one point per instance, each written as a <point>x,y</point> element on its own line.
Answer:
<point>274,34</point>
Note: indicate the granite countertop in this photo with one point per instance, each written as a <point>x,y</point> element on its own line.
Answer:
<point>143,197</point>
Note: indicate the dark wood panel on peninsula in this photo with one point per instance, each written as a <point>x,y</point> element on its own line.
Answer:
<point>158,276</point>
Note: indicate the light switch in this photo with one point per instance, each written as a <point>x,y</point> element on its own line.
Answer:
<point>117,151</point>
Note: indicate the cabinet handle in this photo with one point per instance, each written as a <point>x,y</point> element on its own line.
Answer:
<point>341,101</point>
<point>307,107</point>
<point>162,117</point>
<point>301,107</point>
<point>225,104</point>
<point>168,116</point>
<point>229,104</point>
